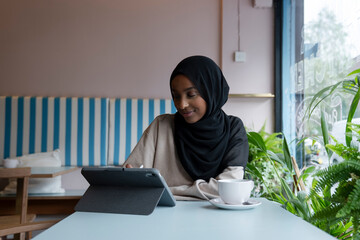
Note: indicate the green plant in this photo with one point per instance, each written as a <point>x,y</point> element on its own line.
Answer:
<point>258,160</point>
<point>339,184</point>
<point>296,202</point>
<point>344,179</point>
<point>349,86</point>
<point>332,199</point>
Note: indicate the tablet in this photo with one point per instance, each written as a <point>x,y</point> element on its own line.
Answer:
<point>124,190</point>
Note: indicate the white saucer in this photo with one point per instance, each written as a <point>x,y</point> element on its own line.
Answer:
<point>251,203</point>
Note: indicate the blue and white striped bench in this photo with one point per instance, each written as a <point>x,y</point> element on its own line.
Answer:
<point>88,131</point>
<point>128,120</point>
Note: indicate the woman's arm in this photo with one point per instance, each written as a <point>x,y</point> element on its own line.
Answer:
<point>201,189</point>
<point>143,153</point>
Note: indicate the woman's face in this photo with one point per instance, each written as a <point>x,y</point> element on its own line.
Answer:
<point>187,99</point>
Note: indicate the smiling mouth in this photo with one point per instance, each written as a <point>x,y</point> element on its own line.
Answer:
<point>187,114</point>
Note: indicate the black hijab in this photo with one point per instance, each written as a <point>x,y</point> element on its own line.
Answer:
<point>201,146</point>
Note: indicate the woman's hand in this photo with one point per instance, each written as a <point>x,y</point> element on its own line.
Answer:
<point>128,166</point>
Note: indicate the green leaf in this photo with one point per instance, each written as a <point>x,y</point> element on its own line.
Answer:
<point>300,141</point>
<point>325,133</point>
<point>352,110</point>
<point>279,198</point>
<point>285,187</point>
<point>300,208</point>
<point>317,96</point>
<point>320,96</point>
<point>308,171</point>
<point>354,72</point>
<point>275,157</point>
<point>350,86</point>
<point>287,156</point>
<point>262,129</point>
<point>336,149</point>
<point>352,204</point>
<point>254,172</point>
<point>255,139</point>
<point>341,230</point>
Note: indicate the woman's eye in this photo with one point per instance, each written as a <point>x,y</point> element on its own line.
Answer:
<point>192,94</point>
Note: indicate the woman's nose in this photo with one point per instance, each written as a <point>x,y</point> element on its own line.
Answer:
<point>183,103</point>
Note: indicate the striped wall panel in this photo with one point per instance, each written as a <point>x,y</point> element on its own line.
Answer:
<point>128,120</point>
<point>77,126</point>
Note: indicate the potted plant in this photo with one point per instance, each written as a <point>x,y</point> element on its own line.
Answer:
<point>331,201</point>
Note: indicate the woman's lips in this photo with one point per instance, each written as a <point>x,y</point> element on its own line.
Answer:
<point>187,114</point>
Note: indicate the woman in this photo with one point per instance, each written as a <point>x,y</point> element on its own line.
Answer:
<point>200,143</point>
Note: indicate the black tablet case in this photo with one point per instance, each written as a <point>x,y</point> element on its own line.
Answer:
<point>124,190</point>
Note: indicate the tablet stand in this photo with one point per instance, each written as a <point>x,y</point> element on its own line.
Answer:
<point>120,199</point>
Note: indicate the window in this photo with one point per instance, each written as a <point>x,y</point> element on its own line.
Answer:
<point>317,44</point>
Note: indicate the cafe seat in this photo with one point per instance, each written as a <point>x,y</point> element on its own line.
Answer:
<point>21,223</point>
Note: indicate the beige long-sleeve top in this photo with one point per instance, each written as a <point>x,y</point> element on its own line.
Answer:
<point>156,149</point>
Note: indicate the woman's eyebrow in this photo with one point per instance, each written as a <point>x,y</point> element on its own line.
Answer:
<point>190,88</point>
<point>185,90</point>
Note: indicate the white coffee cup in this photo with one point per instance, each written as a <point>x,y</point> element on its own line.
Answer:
<point>235,191</point>
<point>11,163</point>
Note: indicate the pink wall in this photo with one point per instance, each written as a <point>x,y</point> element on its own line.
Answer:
<point>107,48</point>
<point>256,40</point>
<point>116,48</point>
<point>256,75</point>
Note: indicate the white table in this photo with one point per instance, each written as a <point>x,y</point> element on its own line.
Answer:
<point>188,220</point>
